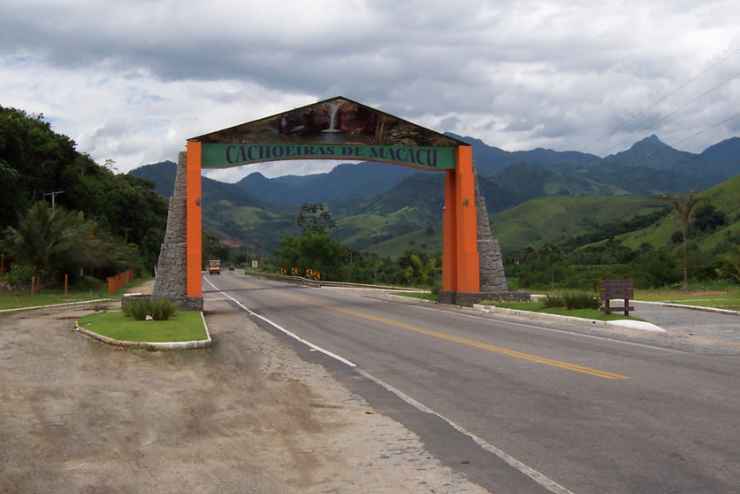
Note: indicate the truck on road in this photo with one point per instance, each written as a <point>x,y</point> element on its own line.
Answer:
<point>214,266</point>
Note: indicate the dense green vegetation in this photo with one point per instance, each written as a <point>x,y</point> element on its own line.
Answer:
<point>316,252</point>
<point>102,222</point>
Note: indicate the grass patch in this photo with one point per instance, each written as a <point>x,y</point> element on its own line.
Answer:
<point>51,296</point>
<point>14,300</point>
<point>419,295</point>
<point>727,298</point>
<point>561,311</point>
<point>184,326</point>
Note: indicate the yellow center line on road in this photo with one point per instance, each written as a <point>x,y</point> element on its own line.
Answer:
<point>468,342</point>
<point>480,345</point>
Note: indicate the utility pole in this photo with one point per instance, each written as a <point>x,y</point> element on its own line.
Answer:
<point>53,197</point>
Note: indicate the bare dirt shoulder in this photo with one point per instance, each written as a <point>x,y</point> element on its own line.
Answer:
<point>247,415</point>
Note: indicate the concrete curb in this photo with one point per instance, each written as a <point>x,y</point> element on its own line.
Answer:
<point>58,306</point>
<point>146,345</point>
<point>528,314</point>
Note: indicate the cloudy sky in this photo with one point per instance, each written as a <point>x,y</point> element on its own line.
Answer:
<point>130,80</point>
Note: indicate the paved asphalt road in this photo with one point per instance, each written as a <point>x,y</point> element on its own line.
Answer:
<point>590,415</point>
<point>710,324</point>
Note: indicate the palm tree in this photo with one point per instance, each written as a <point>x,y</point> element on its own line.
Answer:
<point>46,237</point>
<point>684,206</point>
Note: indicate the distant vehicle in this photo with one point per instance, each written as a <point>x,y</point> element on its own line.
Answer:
<point>214,266</point>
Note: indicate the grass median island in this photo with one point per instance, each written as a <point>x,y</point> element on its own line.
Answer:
<point>560,311</point>
<point>183,326</point>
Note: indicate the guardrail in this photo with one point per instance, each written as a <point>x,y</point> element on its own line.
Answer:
<point>320,283</point>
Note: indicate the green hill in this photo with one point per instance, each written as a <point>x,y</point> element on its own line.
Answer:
<point>725,197</point>
<point>258,230</point>
<point>554,219</point>
<point>535,197</point>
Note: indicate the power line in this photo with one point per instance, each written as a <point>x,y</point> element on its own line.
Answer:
<point>668,94</point>
<point>665,96</point>
<point>725,81</point>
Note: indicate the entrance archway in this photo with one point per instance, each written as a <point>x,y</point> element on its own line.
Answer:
<point>342,129</point>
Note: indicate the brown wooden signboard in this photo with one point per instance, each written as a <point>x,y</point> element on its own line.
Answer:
<point>610,289</point>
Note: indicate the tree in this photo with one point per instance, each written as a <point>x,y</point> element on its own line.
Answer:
<point>315,218</point>
<point>708,218</point>
<point>213,248</point>
<point>684,206</point>
<point>51,241</point>
<point>313,250</point>
<point>417,268</point>
<point>34,159</point>
<point>45,238</point>
<point>730,267</point>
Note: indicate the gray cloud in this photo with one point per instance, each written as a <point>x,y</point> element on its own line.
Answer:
<point>130,80</point>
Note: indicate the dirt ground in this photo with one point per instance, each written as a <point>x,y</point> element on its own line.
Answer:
<point>247,415</point>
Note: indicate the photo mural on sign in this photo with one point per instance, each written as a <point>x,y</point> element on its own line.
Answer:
<point>337,128</point>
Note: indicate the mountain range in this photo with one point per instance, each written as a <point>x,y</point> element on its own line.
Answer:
<point>387,208</point>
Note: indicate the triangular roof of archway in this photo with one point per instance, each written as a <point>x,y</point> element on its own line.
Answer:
<point>357,123</point>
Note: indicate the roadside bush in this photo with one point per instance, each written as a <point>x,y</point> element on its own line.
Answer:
<point>159,309</point>
<point>580,300</point>
<point>552,300</point>
<point>89,283</point>
<point>20,275</point>
<point>162,309</point>
<point>436,287</point>
<point>136,309</point>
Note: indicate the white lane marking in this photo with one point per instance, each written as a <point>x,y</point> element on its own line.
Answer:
<point>561,331</point>
<point>530,472</point>
<point>282,329</point>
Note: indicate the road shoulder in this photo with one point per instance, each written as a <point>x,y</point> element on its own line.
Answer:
<point>246,415</point>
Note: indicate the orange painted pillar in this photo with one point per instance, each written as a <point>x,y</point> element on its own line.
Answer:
<point>449,235</point>
<point>468,262</point>
<point>193,225</point>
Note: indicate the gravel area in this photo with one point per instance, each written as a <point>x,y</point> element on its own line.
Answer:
<point>247,415</point>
